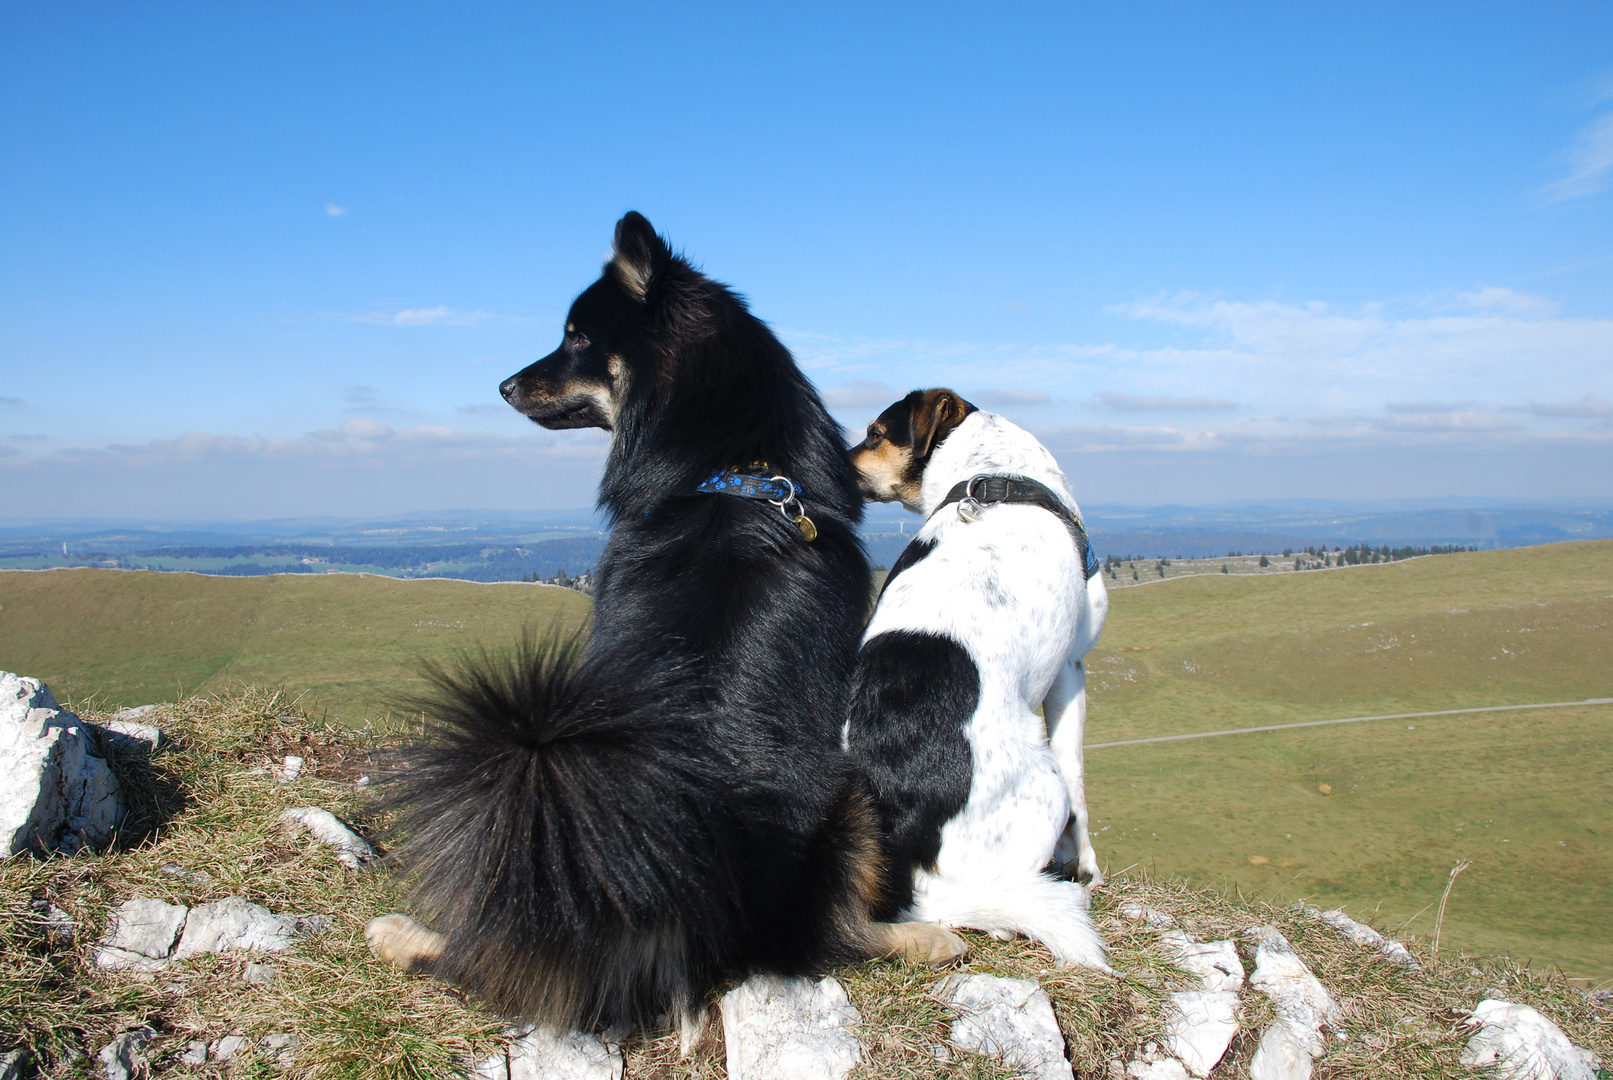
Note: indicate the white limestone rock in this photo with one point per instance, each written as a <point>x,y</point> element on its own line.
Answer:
<point>1200,1026</point>
<point>1153,918</point>
<point>54,924</point>
<point>1285,1052</point>
<point>14,1062</point>
<point>351,849</point>
<point>539,1054</point>
<point>1162,1069</point>
<point>1302,1004</point>
<point>1215,963</point>
<point>125,1056</point>
<point>227,1048</point>
<point>56,792</point>
<point>124,731</point>
<point>790,1029</point>
<point>195,1053</point>
<point>135,713</point>
<point>282,1046</point>
<point>1008,1019</point>
<point>1362,934</point>
<point>257,974</point>
<point>234,923</point>
<point>140,935</point>
<point>1518,1043</point>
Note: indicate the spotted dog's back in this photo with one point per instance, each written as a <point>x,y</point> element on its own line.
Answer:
<point>980,623</point>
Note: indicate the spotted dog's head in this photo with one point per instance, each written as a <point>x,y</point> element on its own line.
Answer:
<point>585,381</point>
<point>890,461</point>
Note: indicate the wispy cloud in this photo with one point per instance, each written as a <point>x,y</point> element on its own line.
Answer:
<point>1590,163</point>
<point>17,401</point>
<point>441,315</point>
<point>861,394</point>
<point>1403,407</point>
<point>1407,418</point>
<point>355,396</point>
<point>335,211</point>
<point>356,436</point>
<point>1448,369</point>
<point>363,466</point>
<point>1588,407</point>
<point>999,397</point>
<point>1117,402</point>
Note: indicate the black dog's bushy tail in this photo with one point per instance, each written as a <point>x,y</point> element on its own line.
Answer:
<point>563,836</point>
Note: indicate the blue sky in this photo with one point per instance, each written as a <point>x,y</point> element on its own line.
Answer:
<point>273,260</point>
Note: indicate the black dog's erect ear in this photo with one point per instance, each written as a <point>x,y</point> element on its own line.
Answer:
<point>637,253</point>
<point>934,414</point>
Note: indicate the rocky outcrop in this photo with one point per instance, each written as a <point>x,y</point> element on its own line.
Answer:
<point>351,849</point>
<point>790,1029</point>
<point>1362,934</point>
<point>1518,1043</point>
<point>125,1056</point>
<point>142,933</point>
<point>540,1054</point>
<point>56,791</point>
<point>1007,1019</point>
<point>1303,1006</point>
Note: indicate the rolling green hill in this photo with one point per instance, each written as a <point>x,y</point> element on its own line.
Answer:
<point>1526,796</point>
<point>349,642</point>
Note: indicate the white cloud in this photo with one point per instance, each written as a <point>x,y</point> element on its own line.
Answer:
<point>1282,374</point>
<point>1586,407</point>
<point>441,315</point>
<point>362,467</point>
<point>1445,421</point>
<point>1425,406</point>
<point>355,396</point>
<point>1007,396</point>
<point>1590,162</point>
<point>861,394</point>
<point>1496,298</point>
<point>335,211</point>
<point>1117,402</point>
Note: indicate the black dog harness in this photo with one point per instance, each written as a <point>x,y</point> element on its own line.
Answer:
<point>985,490</point>
<point>780,491</point>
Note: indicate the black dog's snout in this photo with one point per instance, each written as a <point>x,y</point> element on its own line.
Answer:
<point>507,387</point>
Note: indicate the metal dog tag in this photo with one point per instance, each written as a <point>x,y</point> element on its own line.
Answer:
<point>969,509</point>
<point>809,531</point>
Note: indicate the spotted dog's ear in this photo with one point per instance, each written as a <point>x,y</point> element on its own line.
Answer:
<point>934,414</point>
<point>637,254</point>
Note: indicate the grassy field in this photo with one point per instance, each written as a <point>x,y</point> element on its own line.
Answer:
<point>1527,796</point>
<point>348,643</point>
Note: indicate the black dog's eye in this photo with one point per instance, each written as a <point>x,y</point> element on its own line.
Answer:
<point>874,439</point>
<point>580,341</point>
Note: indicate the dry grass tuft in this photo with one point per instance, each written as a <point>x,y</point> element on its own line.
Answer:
<point>203,827</point>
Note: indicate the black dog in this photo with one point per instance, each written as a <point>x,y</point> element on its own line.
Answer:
<point>608,832</point>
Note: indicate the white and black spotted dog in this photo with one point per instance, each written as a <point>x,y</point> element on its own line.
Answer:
<point>985,617</point>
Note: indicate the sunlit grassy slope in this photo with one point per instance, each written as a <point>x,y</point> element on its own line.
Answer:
<point>1526,796</point>
<point>349,642</point>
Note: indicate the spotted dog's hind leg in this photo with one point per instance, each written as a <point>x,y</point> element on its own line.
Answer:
<point>403,943</point>
<point>1065,709</point>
